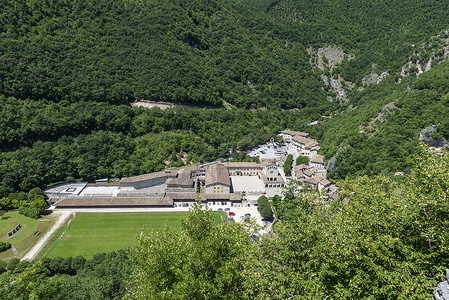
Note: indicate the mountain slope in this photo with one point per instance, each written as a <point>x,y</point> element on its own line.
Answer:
<point>247,53</point>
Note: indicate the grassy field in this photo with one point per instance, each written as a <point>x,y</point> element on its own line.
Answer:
<point>25,238</point>
<point>88,234</point>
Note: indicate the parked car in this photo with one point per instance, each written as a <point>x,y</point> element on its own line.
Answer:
<point>247,216</point>
<point>220,209</point>
<point>227,209</point>
<point>231,213</point>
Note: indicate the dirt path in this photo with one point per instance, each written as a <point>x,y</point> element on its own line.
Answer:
<point>30,255</point>
<point>14,250</point>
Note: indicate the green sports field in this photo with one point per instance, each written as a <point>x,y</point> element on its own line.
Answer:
<point>88,234</point>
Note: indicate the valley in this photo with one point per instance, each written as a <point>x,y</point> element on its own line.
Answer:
<point>114,108</point>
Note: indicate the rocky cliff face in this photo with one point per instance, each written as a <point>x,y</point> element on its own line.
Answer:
<point>426,55</point>
<point>426,137</point>
<point>326,59</point>
<point>373,78</point>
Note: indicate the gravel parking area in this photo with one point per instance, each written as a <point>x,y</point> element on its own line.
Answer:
<point>240,210</point>
<point>270,151</point>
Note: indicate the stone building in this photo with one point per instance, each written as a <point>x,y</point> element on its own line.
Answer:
<point>243,168</point>
<point>147,180</point>
<point>317,161</point>
<point>185,181</point>
<point>271,176</point>
<point>217,179</point>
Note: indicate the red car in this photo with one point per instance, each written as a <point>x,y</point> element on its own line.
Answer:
<point>231,213</point>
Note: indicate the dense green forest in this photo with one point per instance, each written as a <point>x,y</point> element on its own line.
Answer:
<point>44,142</point>
<point>101,277</point>
<point>69,69</point>
<point>248,53</point>
<point>385,238</point>
<point>382,130</point>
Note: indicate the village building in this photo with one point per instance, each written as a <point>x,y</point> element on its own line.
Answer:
<point>317,161</point>
<point>146,180</point>
<point>312,182</point>
<point>271,176</point>
<point>288,135</point>
<point>105,202</point>
<point>217,179</point>
<point>243,168</point>
<point>211,183</point>
<point>185,181</point>
<point>323,184</point>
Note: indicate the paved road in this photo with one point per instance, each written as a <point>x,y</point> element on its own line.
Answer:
<point>31,254</point>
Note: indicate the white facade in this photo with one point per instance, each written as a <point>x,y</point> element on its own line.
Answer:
<point>217,188</point>
<point>271,172</point>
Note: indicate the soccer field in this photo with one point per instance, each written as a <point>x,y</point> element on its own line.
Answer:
<point>88,234</point>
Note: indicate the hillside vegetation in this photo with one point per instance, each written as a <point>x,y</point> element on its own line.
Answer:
<point>382,129</point>
<point>248,53</point>
<point>386,238</point>
<point>345,71</point>
<point>68,70</point>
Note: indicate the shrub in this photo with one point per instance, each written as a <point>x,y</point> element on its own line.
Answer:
<point>265,208</point>
<point>4,246</point>
<point>29,212</point>
<point>3,265</point>
<point>12,264</point>
<point>302,160</point>
<point>288,165</point>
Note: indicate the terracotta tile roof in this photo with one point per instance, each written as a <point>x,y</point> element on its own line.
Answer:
<point>325,182</point>
<point>300,139</point>
<point>299,174</point>
<point>243,165</point>
<point>150,176</point>
<point>308,172</point>
<point>317,159</point>
<point>217,174</point>
<point>111,202</point>
<point>310,143</point>
<point>204,197</point>
<point>302,167</point>
<point>268,162</point>
<point>313,180</point>
<point>295,133</point>
<point>183,178</point>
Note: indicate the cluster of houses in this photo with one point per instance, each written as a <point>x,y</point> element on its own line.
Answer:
<point>314,174</point>
<point>212,183</point>
<point>301,141</point>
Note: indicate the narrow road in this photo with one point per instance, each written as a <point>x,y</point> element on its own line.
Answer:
<point>30,255</point>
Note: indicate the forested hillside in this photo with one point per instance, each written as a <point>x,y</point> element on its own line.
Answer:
<point>346,71</point>
<point>43,142</point>
<point>386,238</point>
<point>248,53</point>
<point>68,70</point>
<point>381,130</point>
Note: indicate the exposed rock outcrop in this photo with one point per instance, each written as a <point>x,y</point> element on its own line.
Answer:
<point>426,137</point>
<point>435,51</point>
<point>372,78</point>
<point>327,59</point>
<point>331,164</point>
<point>442,290</point>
